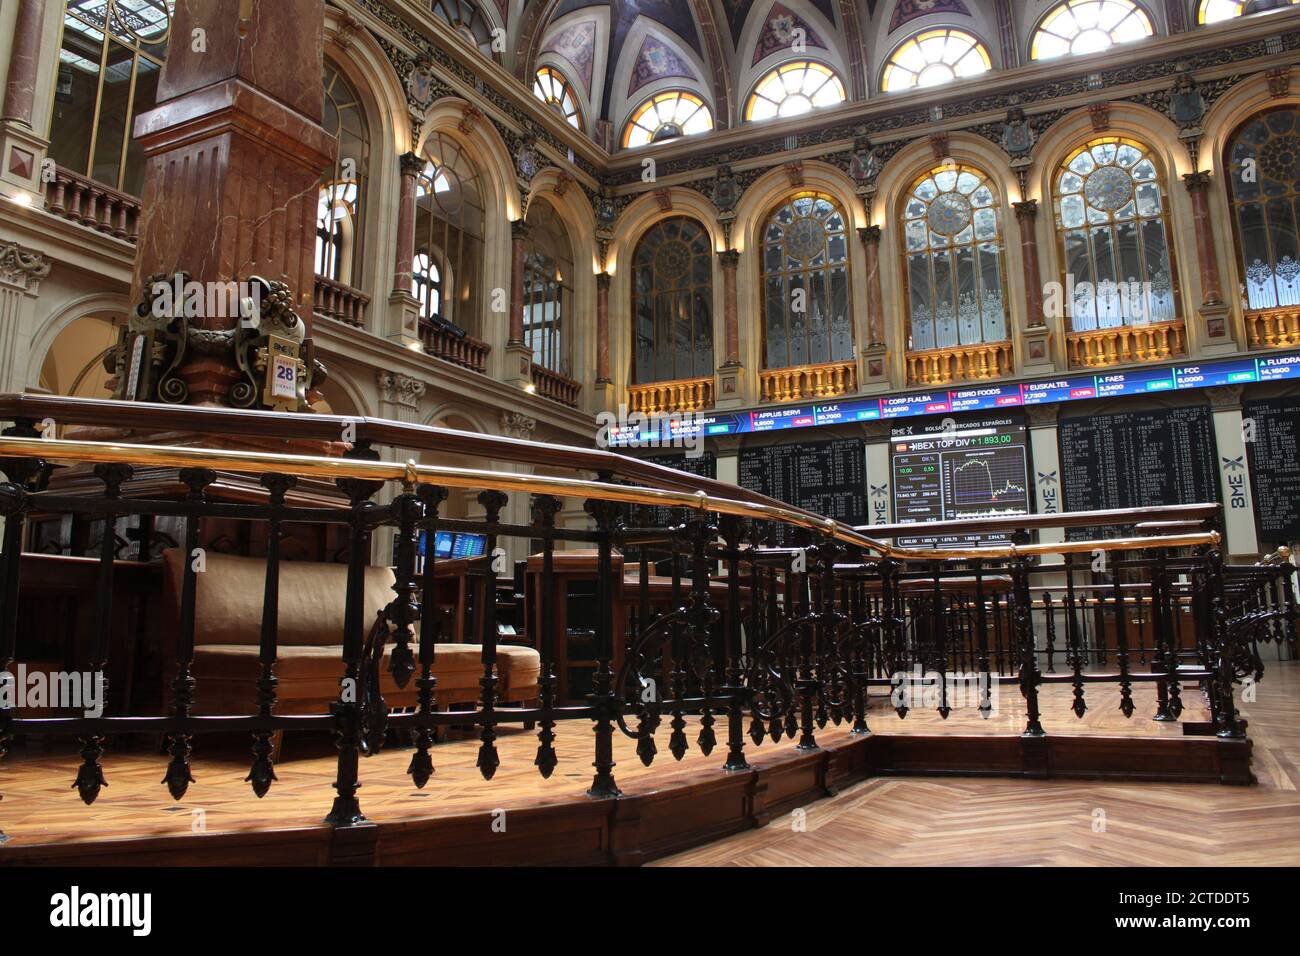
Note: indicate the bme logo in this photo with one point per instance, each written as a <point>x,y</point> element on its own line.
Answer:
<point>76,909</point>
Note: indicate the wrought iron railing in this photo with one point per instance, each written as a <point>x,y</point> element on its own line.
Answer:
<point>806,631</point>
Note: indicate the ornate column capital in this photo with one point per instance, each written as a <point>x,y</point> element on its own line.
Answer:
<point>869,235</point>
<point>518,230</point>
<point>1026,209</point>
<point>603,280</point>
<point>1043,416</point>
<point>22,268</point>
<point>399,389</point>
<point>1197,182</point>
<point>517,425</point>
<point>730,258</point>
<point>410,164</point>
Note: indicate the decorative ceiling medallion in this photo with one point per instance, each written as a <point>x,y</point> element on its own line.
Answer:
<point>805,239</point>
<point>949,214</point>
<point>1108,188</point>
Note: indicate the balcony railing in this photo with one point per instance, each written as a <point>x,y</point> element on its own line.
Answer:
<point>556,387</point>
<point>808,381</point>
<point>82,200</point>
<point>963,363</point>
<point>1274,329</point>
<point>334,300</point>
<point>682,395</point>
<point>463,350</point>
<point>1126,344</point>
<point>769,642</point>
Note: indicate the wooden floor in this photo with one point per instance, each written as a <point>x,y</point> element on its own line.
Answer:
<point>992,822</point>
<point>886,820</point>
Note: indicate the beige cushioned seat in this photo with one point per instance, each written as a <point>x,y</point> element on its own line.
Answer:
<point>309,664</point>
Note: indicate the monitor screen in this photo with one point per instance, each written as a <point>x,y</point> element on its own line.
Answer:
<point>469,546</point>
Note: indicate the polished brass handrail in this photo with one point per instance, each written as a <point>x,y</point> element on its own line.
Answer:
<point>409,472</point>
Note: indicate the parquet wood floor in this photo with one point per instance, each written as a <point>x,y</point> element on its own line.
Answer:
<point>882,821</point>
<point>1000,822</point>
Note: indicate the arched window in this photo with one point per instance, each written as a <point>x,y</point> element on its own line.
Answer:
<point>953,246</point>
<point>672,302</point>
<point>339,229</point>
<point>1112,225</point>
<point>109,61</point>
<point>554,90</point>
<point>1263,165</point>
<point>1089,26</point>
<point>467,20</point>
<point>426,285</point>
<point>794,88</point>
<point>449,232</point>
<point>806,318</point>
<point>667,116</point>
<point>548,289</point>
<point>933,57</point>
<point>1215,11</point>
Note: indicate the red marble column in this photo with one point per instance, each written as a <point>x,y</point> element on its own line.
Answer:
<point>518,233</point>
<point>1027,218</point>
<point>411,165</point>
<point>870,237</point>
<point>1198,187</point>
<point>24,62</point>
<point>235,151</point>
<point>602,328</point>
<point>730,307</point>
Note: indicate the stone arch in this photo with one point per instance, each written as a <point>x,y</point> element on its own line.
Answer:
<point>99,304</point>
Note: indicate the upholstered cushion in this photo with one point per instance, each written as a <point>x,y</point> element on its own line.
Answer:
<point>228,599</point>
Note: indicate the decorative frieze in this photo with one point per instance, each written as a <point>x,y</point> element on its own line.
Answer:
<point>398,389</point>
<point>22,268</point>
<point>517,425</point>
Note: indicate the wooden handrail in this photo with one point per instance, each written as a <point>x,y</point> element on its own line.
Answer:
<point>1196,513</point>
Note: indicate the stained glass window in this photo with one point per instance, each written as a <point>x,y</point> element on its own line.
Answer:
<point>952,240</point>
<point>468,21</point>
<point>1089,26</point>
<point>1215,11</point>
<point>672,302</point>
<point>794,88</point>
<point>449,229</point>
<point>553,89</point>
<point>934,57</point>
<point>110,57</point>
<point>1263,166</point>
<point>667,116</point>
<point>1112,226</point>
<point>548,290</point>
<point>342,190</point>
<point>805,283</point>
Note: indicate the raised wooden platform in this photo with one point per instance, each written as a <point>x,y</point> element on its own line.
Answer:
<point>519,818</point>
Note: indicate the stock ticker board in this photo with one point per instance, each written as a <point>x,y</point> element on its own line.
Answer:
<point>1137,459</point>
<point>827,477</point>
<point>1273,368</point>
<point>660,516</point>
<point>1274,437</point>
<point>955,469</point>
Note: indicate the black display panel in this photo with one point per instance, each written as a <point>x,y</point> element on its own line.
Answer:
<point>1137,460</point>
<point>826,477</point>
<point>955,468</point>
<point>704,465</point>
<point>1272,430</point>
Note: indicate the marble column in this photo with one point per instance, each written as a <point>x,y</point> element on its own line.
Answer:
<point>1027,219</point>
<point>234,154</point>
<point>411,165</point>
<point>24,63</point>
<point>730,260</point>
<point>870,237</point>
<point>602,328</point>
<point>1198,187</point>
<point>21,149</point>
<point>518,235</point>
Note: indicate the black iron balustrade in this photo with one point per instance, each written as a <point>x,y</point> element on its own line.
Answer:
<point>804,634</point>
